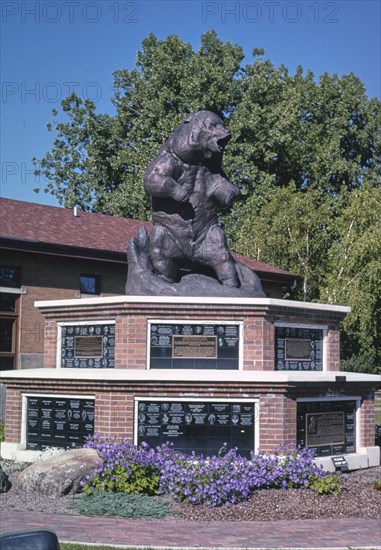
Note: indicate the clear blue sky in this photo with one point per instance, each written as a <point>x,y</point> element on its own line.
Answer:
<point>50,47</point>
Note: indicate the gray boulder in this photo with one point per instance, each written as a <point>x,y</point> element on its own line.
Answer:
<point>60,475</point>
<point>5,484</point>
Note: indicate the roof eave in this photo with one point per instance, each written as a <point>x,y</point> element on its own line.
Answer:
<point>51,249</point>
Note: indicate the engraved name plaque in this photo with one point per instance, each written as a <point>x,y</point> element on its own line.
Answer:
<point>327,427</point>
<point>203,427</point>
<point>58,421</point>
<point>194,346</point>
<point>297,349</point>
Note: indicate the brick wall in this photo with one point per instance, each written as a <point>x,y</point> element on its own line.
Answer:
<point>132,319</point>
<point>54,278</point>
<point>114,404</point>
<point>367,420</point>
<point>13,424</point>
<point>114,414</point>
<point>333,348</point>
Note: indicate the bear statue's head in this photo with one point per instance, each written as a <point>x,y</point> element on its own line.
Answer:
<point>201,137</point>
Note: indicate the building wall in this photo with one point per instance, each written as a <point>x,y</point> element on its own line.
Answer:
<point>53,278</point>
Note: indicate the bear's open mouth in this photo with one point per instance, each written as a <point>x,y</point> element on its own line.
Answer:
<point>222,142</point>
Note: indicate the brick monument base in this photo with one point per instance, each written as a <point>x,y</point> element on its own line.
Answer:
<point>198,372</point>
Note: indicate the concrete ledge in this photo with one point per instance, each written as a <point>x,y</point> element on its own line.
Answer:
<point>367,457</point>
<point>275,302</point>
<point>191,375</point>
<point>16,452</point>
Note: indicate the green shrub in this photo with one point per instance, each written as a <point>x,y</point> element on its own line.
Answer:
<point>377,484</point>
<point>325,485</point>
<point>2,431</point>
<point>100,503</point>
<point>365,361</point>
<point>132,480</point>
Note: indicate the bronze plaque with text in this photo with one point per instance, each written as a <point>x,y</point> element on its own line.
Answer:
<point>88,346</point>
<point>298,349</point>
<point>195,347</point>
<point>325,429</point>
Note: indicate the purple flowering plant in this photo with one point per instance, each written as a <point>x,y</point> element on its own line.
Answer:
<point>124,468</point>
<point>214,481</point>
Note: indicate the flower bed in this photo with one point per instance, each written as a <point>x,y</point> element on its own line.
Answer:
<point>216,480</point>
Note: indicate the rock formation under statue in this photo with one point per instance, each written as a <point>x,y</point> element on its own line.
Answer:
<point>188,187</point>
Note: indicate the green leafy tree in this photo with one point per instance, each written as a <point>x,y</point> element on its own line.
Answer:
<point>354,276</point>
<point>291,230</point>
<point>287,129</point>
<point>306,152</point>
<point>98,161</point>
<point>323,134</point>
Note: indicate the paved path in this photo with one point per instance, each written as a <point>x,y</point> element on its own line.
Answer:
<point>326,533</point>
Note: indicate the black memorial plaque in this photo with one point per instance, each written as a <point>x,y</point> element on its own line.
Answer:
<point>200,427</point>
<point>88,346</point>
<point>328,427</point>
<point>298,348</point>
<point>194,346</point>
<point>58,422</point>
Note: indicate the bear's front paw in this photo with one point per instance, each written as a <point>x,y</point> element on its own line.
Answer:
<point>180,195</point>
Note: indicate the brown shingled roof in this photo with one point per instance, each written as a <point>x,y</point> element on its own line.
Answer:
<point>51,225</point>
<point>54,225</point>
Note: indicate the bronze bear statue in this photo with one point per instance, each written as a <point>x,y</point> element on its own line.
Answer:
<point>188,186</point>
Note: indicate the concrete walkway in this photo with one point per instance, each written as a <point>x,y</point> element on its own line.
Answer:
<point>324,534</point>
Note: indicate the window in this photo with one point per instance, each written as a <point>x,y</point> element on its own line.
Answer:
<point>6,335</point>
<point>90,284</point>
<point>8,302</point>
<point>8,330</point>
<point>10,276</point>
